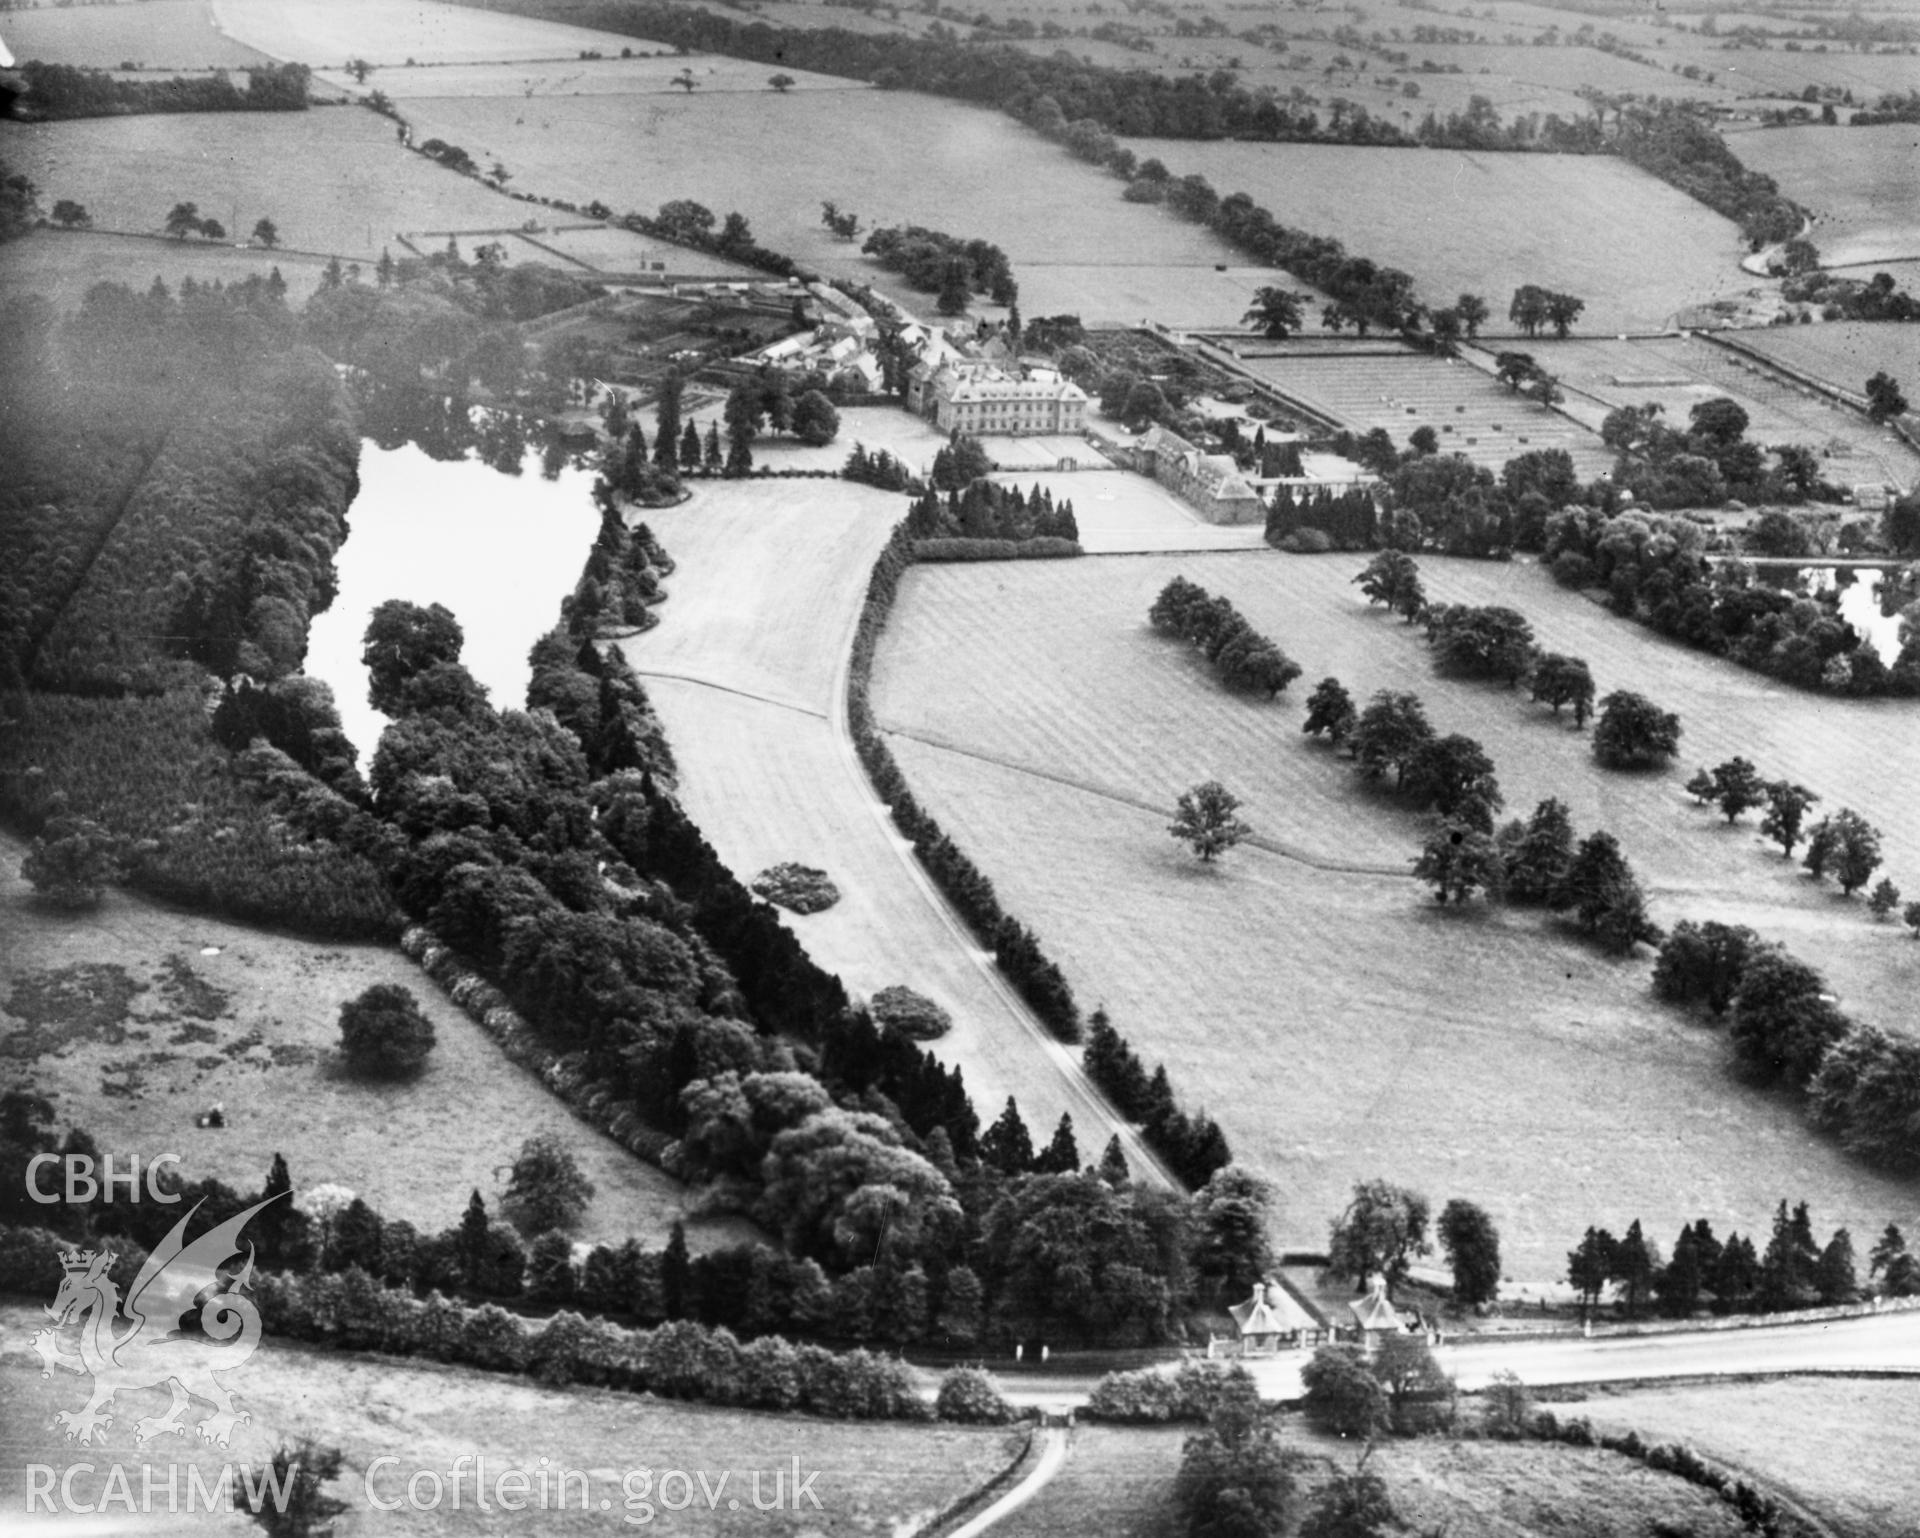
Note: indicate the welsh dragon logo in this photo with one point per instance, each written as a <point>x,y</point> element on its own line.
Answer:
<point>182,1320</point>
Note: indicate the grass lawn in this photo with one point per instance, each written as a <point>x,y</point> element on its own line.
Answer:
<point>1337,1021</point>
<point>158,35</point>
<point>1841,1446</point>
<point>333,180</point>
<point>1488,223</point>
<point>121,1019</point>
<point>1857,181</point>
<point>1117,1483</point>
<point>873,1478</point>
<point>653,73</point>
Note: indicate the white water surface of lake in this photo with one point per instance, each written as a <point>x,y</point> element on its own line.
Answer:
<point>500,551</point>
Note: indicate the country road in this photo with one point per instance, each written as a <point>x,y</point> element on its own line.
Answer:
<point>1870,1343</point>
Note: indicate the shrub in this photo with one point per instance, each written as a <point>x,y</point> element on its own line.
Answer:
<point>384,1034</point>
<point>969,1395</point>
<point>1307,541</point>
<point>911,1014</point>
<point>801,888</point>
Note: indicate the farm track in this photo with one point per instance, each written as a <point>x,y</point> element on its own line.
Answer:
<point>1286,849</point>
<point>54,615</point>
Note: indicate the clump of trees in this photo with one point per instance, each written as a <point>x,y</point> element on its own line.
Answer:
<point>982,519</point>
<point>68,91</point>
<point>384,1034</point>
<point>1634,733</point>
<point>1243,658</point>
<point>947,265</point>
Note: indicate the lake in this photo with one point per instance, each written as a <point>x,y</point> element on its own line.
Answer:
<point>500,550</point>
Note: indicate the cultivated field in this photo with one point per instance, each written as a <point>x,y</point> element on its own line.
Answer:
<point>1338,1022</point>
<point>1840,1446</point>
<point>874,1478</point>
<point>159,34</point>
<point>1117,1483</point>
<point>333,181</point>
<point>893,159</point>
<point>654,74</point>
<point>1681,372</point>
<point>1473,413</point>
<point>744,669</point>
<point>1587,225</point>
<point>1857,181</point>
<point>132,1029</point>
<point>1844,353</point>
<point>398,32</point>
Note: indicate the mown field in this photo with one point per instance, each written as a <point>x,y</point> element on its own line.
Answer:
<point>331,180</point>
<point>97,1014</point>
<point>1857,181</point>
<point>1117,1484</point>
<point>744,669</point>
<point>1840,1446</point>
<point>873,1478</point>
<point>1844,353</point>
<point>1076,246</point>
<point>1338,1022</point>
<point>1585,225</point>
<point>397,32</point>
<point>63,265</point>
<point>158,34</point>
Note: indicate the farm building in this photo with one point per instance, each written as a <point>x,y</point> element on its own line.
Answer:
<point>980,396</point>
<point>1210,483</point>
<point>1271,1319</point>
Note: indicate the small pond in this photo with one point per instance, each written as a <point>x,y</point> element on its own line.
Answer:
<point>1868,599</point>
<point>495,528</point>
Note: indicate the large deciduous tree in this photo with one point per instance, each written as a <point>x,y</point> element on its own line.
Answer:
<point>402,641</point>
<point>384,1033</point>
<point>1230,1247</point>
<point>1276,312</point>
<point>547,1189</point>
<point>1382,1230</point>
<point>1634,733</point>
<point>1472,1246</point>
<point>1207,820</point>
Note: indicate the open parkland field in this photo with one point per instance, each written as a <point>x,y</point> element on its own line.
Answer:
<point>258,1033</point>
<point>1840,1445</point>
<point>1858,182</point>
<point>1115,1485</point>
<point>1337,1021</point>
<point>874,1478</point>
<point>1634,248</point>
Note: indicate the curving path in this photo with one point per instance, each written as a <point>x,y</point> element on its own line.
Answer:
<point>748,671</point>
<point>1051,1457</point>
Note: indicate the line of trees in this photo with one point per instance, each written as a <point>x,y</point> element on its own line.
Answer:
<point>1734,1275</point>
<point>1858,1082</point>
<point>65,91</point>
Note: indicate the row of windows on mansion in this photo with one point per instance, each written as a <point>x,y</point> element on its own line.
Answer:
<point>977,396</point>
